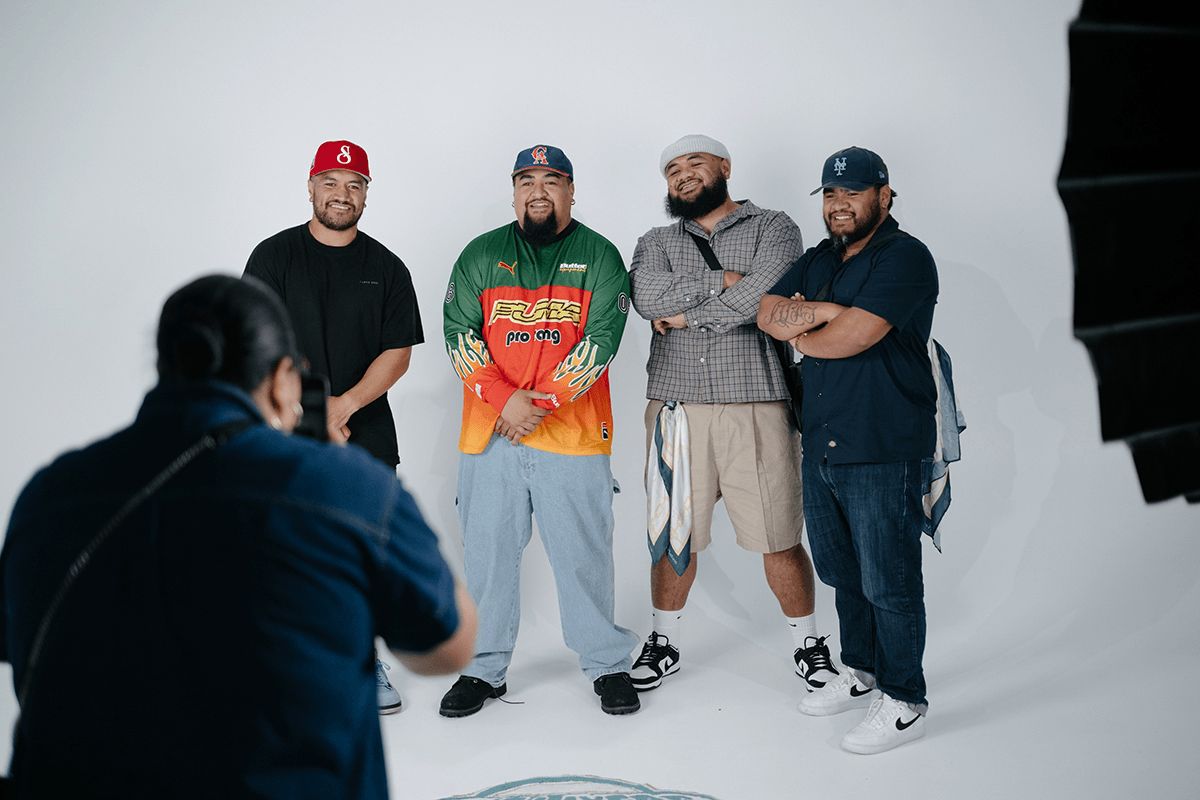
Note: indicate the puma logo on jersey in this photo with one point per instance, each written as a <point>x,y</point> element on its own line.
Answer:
<point>508,267</point>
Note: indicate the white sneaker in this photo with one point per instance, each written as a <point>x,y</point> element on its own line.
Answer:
<point>843,693</point>
<point>889,723</point>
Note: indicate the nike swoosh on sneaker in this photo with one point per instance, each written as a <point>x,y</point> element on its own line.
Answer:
<point>854,692</point>
<point>901,725</point>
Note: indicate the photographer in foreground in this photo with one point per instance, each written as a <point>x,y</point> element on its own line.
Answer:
<point>216,638</point>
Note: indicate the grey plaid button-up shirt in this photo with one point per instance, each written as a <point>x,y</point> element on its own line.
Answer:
<point>721,357</point>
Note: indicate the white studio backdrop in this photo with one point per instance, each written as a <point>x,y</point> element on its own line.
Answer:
<point>150,143</point>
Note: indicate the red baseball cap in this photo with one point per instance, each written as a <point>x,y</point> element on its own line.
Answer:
<point>340,155</point>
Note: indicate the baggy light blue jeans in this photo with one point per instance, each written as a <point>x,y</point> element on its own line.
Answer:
<point>864,528</point>
<point>499,492</point>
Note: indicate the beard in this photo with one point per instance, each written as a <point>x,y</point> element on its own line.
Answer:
<point>540,233</point>
<point>862,229</point>
<point>341,222</point>
<point>709,198</point>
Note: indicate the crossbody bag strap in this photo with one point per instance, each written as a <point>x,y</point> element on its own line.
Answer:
<point>211,440</point>
<point>783,353</point>
<point>706,250</point>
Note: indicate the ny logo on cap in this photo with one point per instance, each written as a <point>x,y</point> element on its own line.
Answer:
<point>539,156</point>
<point>839,165</point>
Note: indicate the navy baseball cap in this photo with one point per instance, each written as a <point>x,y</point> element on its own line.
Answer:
<point>853,168</point>
<point>544,156</point>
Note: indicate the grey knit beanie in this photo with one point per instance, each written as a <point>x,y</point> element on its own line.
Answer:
<point>692,143</point>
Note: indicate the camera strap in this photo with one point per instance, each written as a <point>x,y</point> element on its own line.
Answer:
<point>211,440</point>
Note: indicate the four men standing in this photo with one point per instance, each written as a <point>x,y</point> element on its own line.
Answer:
<point>533,316</point>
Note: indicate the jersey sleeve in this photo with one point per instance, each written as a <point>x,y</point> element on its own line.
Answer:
<point>462,326</point>
<point>608,309</point>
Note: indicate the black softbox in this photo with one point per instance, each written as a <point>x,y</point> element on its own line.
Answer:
<point>1130,183</point>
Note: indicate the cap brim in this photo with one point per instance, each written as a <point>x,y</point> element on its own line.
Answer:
<point>367,178</point>
<point>539,166</point>
<point>854,186</point>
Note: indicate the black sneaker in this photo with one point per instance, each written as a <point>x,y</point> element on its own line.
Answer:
<point>813,663</point>
<point>617,695</point>
<point>659,658</point>
<point>468,695</point>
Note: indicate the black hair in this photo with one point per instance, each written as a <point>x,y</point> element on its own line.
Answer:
<point>224,328</point>
<point>892,199</point>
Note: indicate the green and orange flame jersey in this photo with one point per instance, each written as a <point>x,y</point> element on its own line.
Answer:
<point>547,318</point>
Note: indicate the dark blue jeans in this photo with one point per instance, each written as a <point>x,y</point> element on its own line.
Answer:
<point>864,529</point>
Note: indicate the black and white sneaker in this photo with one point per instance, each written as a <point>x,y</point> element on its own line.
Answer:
<point>659,658</point>
<point>813,663</point>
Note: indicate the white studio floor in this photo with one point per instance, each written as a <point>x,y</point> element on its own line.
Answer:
<point>1058,667</point>
<point>1033,699</point>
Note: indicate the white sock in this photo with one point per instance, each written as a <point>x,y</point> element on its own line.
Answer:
<point>802,628</point>
<point>666,623</point>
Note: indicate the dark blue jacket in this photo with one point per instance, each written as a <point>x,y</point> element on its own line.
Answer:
<point>221,643</point>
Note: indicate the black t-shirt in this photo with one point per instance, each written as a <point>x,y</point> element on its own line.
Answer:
<point>348,304</point>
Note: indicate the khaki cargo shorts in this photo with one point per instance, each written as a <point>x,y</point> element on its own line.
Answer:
<point>748,455</point>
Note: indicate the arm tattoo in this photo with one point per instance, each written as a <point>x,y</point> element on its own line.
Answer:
<point>785,315</point>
